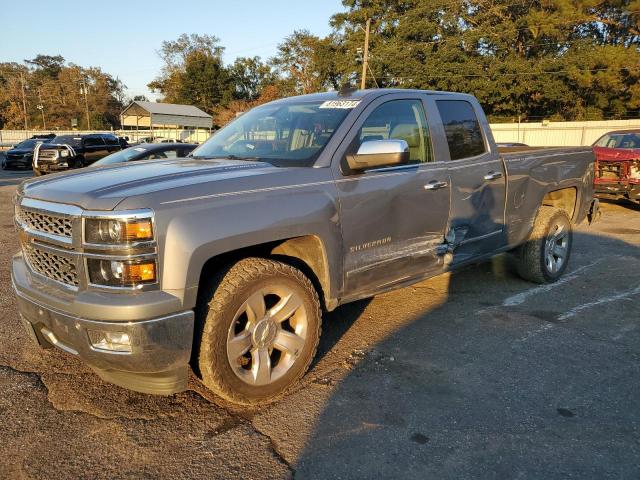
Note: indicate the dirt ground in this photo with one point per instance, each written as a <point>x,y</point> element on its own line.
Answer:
<point>476,374</point>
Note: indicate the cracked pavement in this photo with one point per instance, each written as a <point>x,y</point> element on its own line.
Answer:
<point>472,375</point>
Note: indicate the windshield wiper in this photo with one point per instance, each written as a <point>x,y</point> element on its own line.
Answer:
<point>225,157</point>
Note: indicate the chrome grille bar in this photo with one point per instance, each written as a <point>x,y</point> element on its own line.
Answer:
<point>55,266</point>
<point>48,236</point>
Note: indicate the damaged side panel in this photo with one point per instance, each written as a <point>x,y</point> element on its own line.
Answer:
<point>392,227</point>
<point>533,175</point>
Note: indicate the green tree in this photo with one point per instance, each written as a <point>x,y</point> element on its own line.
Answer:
<point>56,86</point>
<point>250,76</point>
<point>571,59</point>
<point>194,73</point>
<point>305,63</point>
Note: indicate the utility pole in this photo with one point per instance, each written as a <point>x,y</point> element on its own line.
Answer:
<point>24,102</point>
<point>86,102</point>
<point>365,57</point>
<point>41,108</point>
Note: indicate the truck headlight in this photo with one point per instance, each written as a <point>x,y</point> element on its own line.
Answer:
<point>121,273</point>
<point>64,153</point>
<point>115,231</point>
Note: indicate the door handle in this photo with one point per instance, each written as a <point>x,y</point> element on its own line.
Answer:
<point>435,185</point>
<point>493,176</point>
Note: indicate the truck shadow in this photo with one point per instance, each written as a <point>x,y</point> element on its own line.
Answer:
<point>336,324</point>
<point>623,203</point>
<point>479,374</point>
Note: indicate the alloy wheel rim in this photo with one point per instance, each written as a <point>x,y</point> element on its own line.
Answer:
<point>556,247</point>
<point>267,334</point>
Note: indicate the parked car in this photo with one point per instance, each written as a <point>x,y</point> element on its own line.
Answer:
<point>66,152</point>
<point>22,154</point>
<point>618,165</point>
<point>151,139</point>
<point>228,259</point>
<point>147,151</point>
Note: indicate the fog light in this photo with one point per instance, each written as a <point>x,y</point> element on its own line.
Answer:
<point>110,341</point>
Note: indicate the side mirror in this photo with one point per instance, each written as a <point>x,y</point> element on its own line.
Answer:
<point>379,153</point>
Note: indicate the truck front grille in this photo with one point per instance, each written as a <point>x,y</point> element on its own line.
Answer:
<point>47,154</point>
<point>46,223</point>
<point>51,265</point>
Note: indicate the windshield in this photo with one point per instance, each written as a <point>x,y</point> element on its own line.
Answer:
<point>290,134</point>
<point>28,144</point>
<point>67,140</point>
<point>620,140</point>
<point>121,156</point>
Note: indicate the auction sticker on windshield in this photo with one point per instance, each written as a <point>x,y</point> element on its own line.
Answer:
<point>340,104</point>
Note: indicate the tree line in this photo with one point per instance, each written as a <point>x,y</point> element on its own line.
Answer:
<point>523,59</point>
<point>47,93</point>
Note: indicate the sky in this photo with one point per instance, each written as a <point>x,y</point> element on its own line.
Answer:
<point>122,38</point>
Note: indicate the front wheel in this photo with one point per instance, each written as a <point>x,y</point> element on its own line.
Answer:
<point>261,327</point>
<point>543,258</point>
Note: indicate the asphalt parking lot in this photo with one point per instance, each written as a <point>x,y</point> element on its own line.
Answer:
<point>476,374</point>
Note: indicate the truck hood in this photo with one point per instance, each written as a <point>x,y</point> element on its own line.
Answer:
<point>19,151</point>
<point>104,188</point>
<point>616,154</point>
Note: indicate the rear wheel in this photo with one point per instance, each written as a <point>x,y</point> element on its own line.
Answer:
<point>261,329</point>
<point>543,258</point>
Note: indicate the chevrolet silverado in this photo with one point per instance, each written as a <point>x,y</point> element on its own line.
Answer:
<point>225,261</point>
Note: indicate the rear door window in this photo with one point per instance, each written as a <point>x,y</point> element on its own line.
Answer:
<point>93,142</point>
<point>111,140</point>
<point>462,128</point>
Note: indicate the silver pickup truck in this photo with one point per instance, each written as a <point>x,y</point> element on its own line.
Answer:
<point>225,261</point>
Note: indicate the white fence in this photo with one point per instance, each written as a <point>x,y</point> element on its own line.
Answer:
<point>12,137</point>
<point>558,134</point>
<point>542,134</point>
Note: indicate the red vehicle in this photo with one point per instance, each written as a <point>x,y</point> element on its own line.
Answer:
<point>618,164</point>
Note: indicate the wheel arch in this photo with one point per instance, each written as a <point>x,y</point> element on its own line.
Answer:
<point>563,198</point>
<point>306,252</point>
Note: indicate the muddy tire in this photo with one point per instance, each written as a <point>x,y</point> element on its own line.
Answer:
<point>543,258</point>
<point>261,323</point>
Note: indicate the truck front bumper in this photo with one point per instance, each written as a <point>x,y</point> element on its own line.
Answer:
<point>630,189</point>
<point>160,348</point>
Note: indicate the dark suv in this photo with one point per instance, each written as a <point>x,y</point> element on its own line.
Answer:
<point>22,154</point>
<point>65,152</point>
